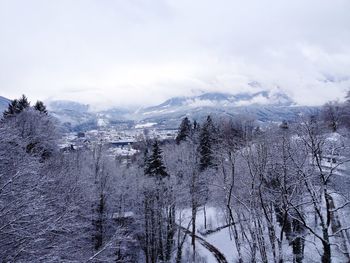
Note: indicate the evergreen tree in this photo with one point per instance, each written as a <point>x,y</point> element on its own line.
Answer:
<point>39,106</point>
<point>12,109</point>
<point>206,141</point>
<point>154,164</point>
<point>184,130</point>
<point>23,103</point>
<point>284,125</point>
<point>16,106</point>
<point>196,126</point>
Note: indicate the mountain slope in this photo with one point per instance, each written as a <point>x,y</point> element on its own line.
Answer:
<point>4,102</point>
<point>75,116</point>
<point>264,106</point>
<point>221,100</point>
<point>216,99</point>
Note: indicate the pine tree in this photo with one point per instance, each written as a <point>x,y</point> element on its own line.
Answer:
<point>206,141</point>
<point>154,163</point>
<point>39,106</point>
<point>196,126</point>
<point>12,109</point>
<point>16,106</point>
<point>23,103</point>
<point>284,125</point>
<point>184,130</point>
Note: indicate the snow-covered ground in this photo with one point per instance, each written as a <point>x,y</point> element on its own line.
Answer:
<point>221,239</point>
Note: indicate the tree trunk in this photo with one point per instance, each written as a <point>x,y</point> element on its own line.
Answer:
<point>205,218</point>
<point>146,231</point>
<point>194,214</point>
<point>326,257</point>
<point>193,233</point>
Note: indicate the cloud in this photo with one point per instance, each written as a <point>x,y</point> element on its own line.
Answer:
<point>140,52</point>
<point>261,100</point>
<point>194,103</point>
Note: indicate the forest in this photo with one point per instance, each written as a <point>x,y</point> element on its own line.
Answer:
<point>277,192</point>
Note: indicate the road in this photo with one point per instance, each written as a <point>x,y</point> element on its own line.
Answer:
<point>216,253</point>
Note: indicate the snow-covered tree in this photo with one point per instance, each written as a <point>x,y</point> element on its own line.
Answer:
<point>154,165</point>
<point>16,106</point>
<point>185,130</point>
<point>332,114</point>
<point>206,144</point>
<point>40,106</point>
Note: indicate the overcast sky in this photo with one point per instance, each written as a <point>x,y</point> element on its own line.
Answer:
<point>123,52</point>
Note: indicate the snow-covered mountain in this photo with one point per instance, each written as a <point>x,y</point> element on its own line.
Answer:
<point>4,102</point>
<point>216,99</point>
<point>66,105</point>
<point>71,114</point>
<point>264,106</point>
<point>77,116</point>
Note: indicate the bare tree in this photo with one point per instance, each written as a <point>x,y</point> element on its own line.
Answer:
<point>332,114</point>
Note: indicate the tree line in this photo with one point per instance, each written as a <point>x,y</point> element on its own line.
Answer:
<point>281,187</point>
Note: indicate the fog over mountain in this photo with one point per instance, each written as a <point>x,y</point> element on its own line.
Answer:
<point>265,106</point>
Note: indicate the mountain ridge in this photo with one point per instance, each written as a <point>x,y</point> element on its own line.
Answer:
<point>264,106</point>
<point>225,99</point>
